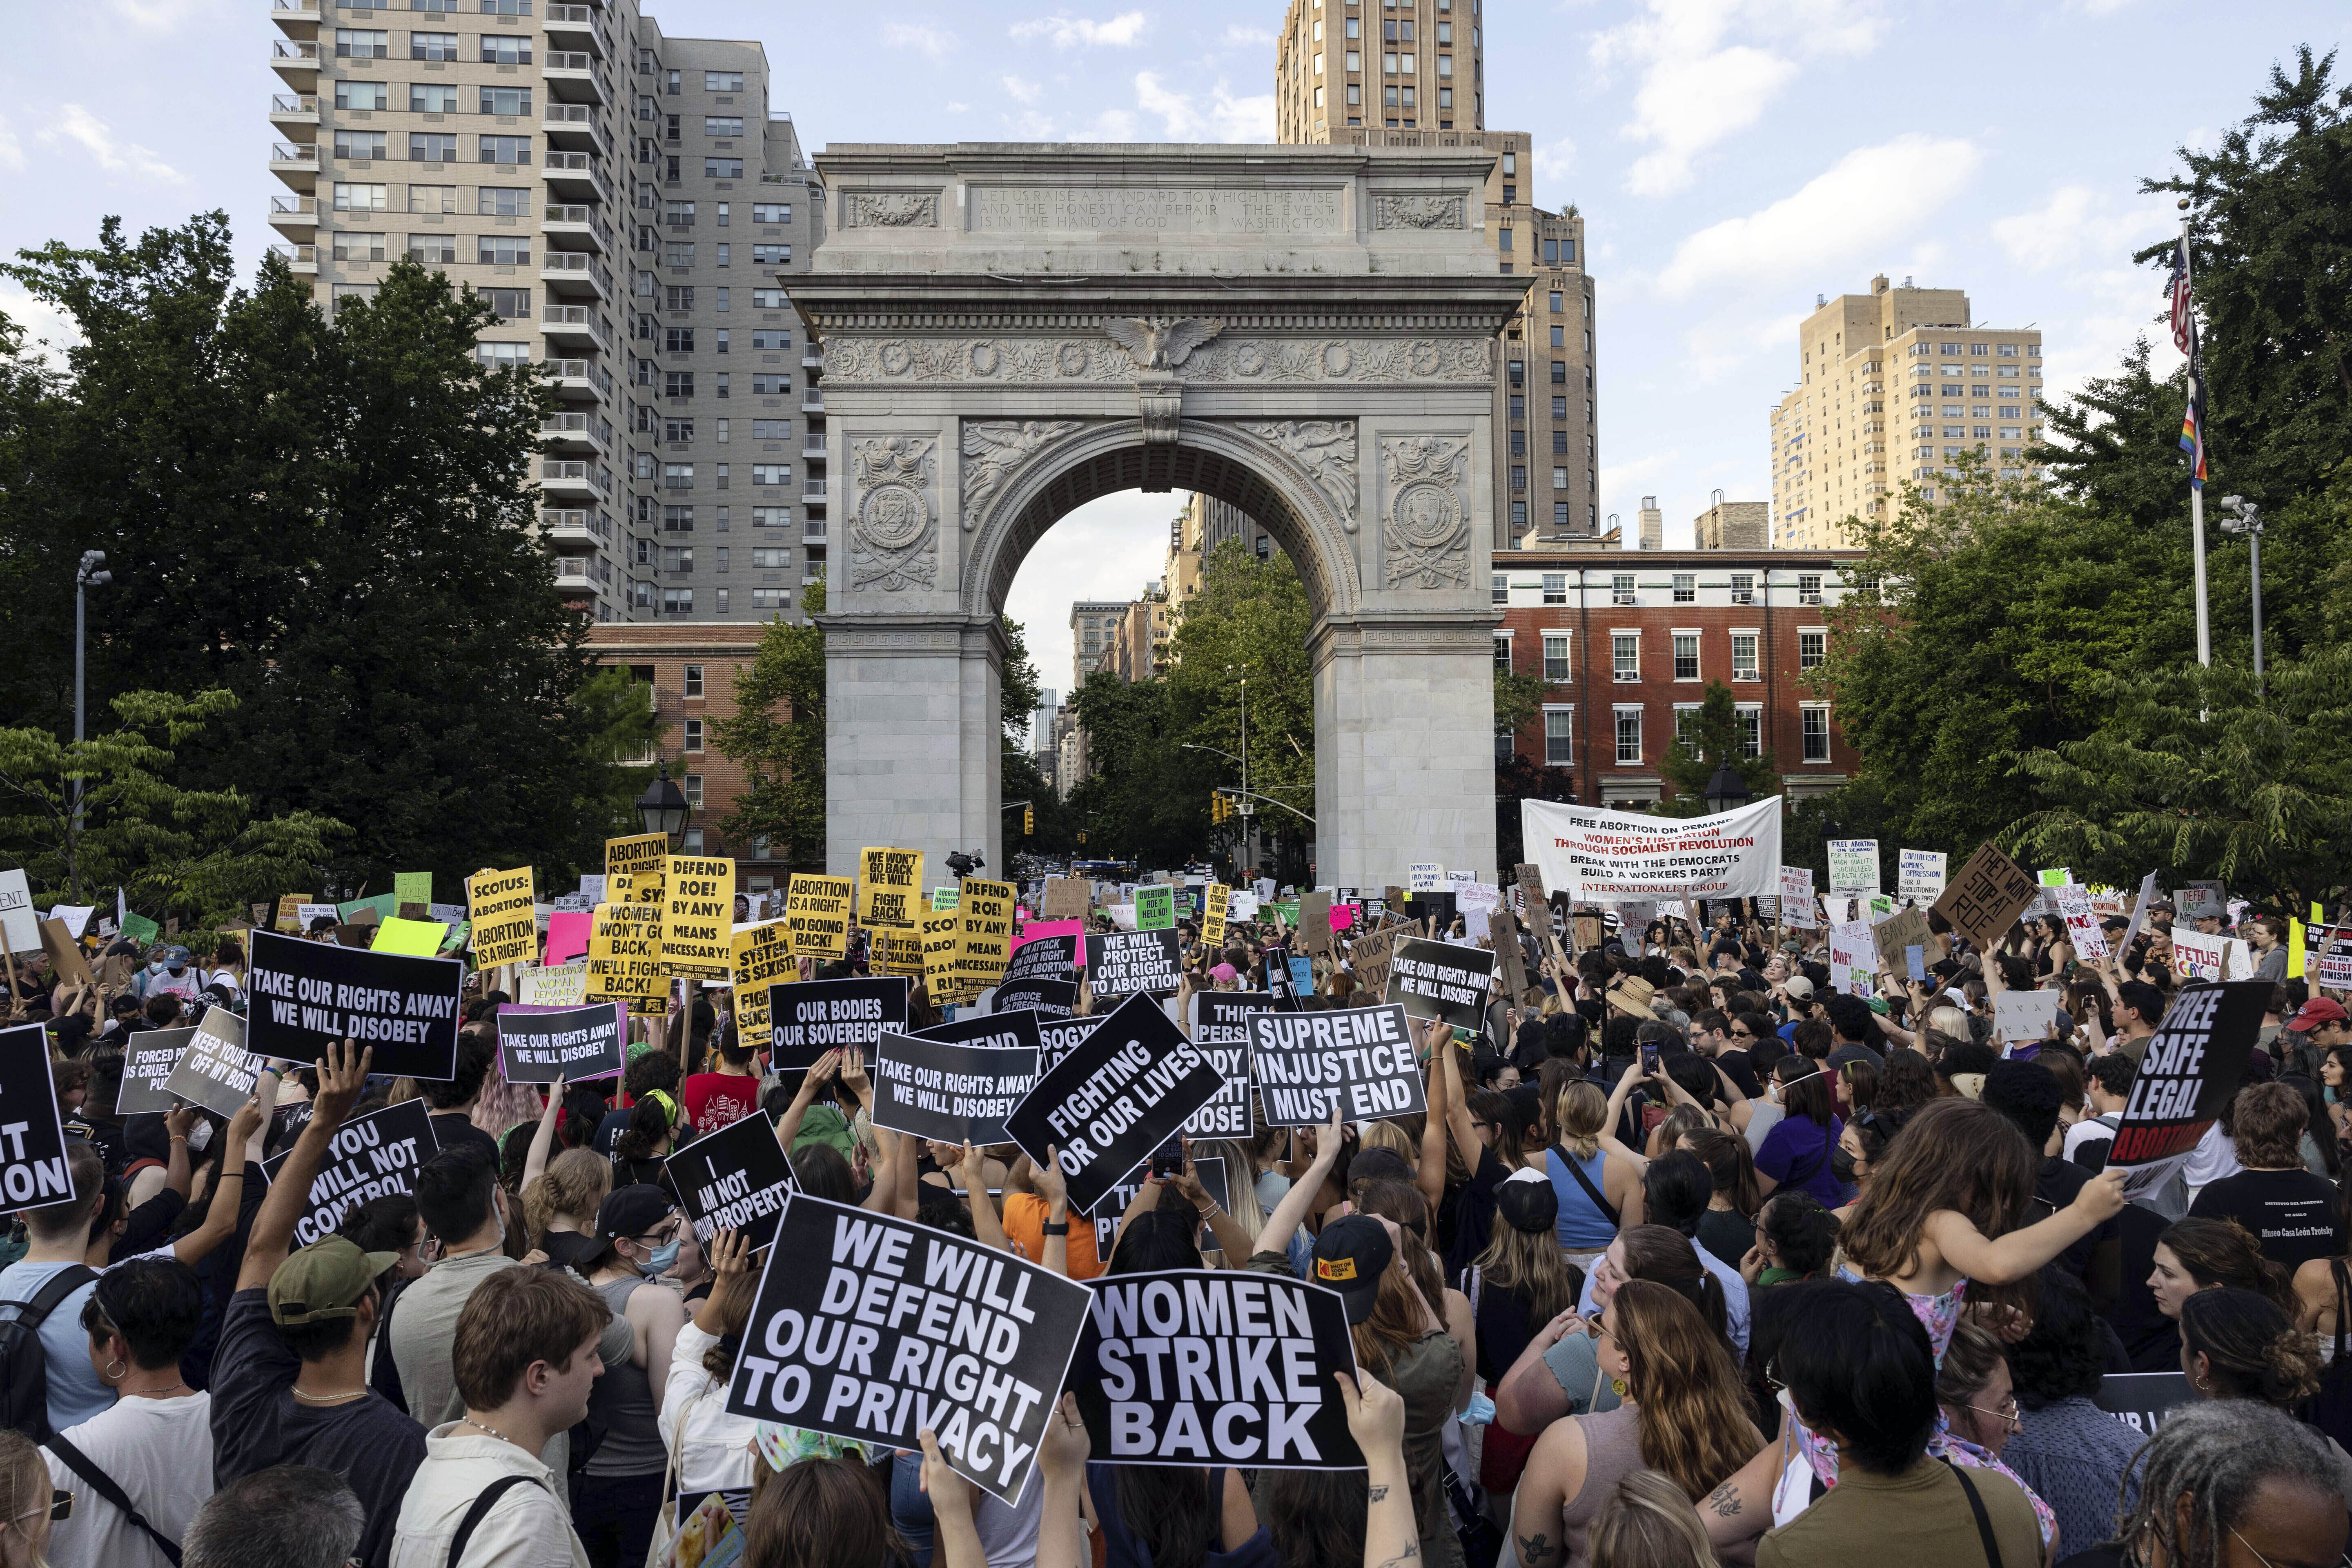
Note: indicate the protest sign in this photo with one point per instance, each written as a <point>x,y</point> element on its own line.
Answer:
<point>1209,1168</point>
<point>1315,921</point>
<point>2203,899</point>
<point>640,856</point>
<point>1796,895</point>
<point>418,938</point>
<point>1107,1104</point>
<point>412,888</point>
<point>2082,922</point>
<point>955,1092</point>
<point>1362,1060</point>
<point>2024,1015</point>
<point>1155,908</point>
<point>289,918</point>
<point>737,1178</point>
<point>1057,1037</point>
<point>1368,957</point>
<point>1919,874</point>
<point>2334,962</point>
<point>499,905</point>
<point>944,899</point>
<point>1241,905</point>
<point>369,1157</point>
<point>697,915</point>
<point>568,931</point>
<point>1249,1378</point>
<point>1590,853</point>
<point>816,915</point>
<point>1985,900</point>
<point>1438,980</point>
<point>213,1071</point>
<point>983,934</point>
<point>573,1044</point>
<point>563,985</point>
<point>1221,1027</point>
<point>1038,955</point>
<point>1424,876</point>
<point>875,1328</point>
<point>1280,984</point>
<point>757,956</point>
<point>2197,956</point>
<point>1128,963</point>
<point>898,951</point>
<point>624,953</point>
<point>1066,898</point>
<point>2189,1071</point>
<point>1437,908</point>
<point>2144,1401</point>
<point>1510,961</point>
<point>66,964</point>
<point>810,1018</point>
<point>1851,969</point>
<point>1046,998</point>
<point>309,915</point>
<point>1216,900</point>
<point>889,887</point>
<point>1853,865</point>
<point>307,994</point>
<point>1903,930</point>
<point>148,1059</point>
<point>942,938</point>
<point>31,1133</point>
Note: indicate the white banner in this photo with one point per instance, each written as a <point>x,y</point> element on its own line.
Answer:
<point>1591,854</point>
<point>1919,874</point>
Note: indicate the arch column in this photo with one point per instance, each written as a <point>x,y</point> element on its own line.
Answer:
<point>912,736</point>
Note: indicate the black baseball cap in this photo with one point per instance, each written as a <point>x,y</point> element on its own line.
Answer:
<point>1527,1202</point>
<point>1350,1256</point>
<point>632,1210</point>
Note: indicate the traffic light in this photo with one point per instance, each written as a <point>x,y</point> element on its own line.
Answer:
<point>1028,822</point>
<point>1082,836</point>
<point>1219,806</point>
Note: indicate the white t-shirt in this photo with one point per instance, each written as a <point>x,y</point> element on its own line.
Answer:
<point>160,1452</point>
<point>2090,1130</point>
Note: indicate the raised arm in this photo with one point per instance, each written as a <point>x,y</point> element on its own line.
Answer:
<point>987,1226</point>
<point>1428,1175</point>
<point>342,1073</point>
<point>177,1123</point>
<point>534,1163</point>
<point>1056,1194</point>
<point>817,1077</point>
<point>1291,1212</point>
<point>2021,1252</point>
<point>227,1194</point>
<point>1457,1106</point>
<point>1375,1420</point>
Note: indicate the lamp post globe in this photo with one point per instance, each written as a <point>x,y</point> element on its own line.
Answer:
<point>662,807</point>
<point>1726,790</point>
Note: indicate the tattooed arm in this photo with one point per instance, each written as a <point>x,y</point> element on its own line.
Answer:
<point>1741,1507</point>
<point>1555,1473</point>
<point>1375,1420</point>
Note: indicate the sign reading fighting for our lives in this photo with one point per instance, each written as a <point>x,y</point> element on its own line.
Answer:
<point>306,996</point>
<point>757,956</point>
<point>890,888</point>
<point>1134,963</point>
<point>1588,853</point>
<point>1439,980</point>
<point>697,915</point>
<point>816,914</point>
<point>574,1044</point>
<point>214,1071</point>
<point>1116,1097</point>
<point>369,1157</point>
<point>810,1018</point>
<point>952,1092</point>
<point>2189,1071</point>
<point>1361,1061</point>
<point>739,1179</point>
<point>1214,1366</point>
<point>499,908</point>
<point>1221,1027</point>
<point>32,1134</point>
<point>876,1329</point>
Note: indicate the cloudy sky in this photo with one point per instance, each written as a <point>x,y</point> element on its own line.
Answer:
<point>1733,159</point>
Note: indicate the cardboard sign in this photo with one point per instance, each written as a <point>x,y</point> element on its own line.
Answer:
<point>1209,1168</point>
<point>564,986</point>
<point>290,913</point>
<point>65,961</point>
<point>952,1092</point>
<point>1796,895</point>
<point>500,907</point>
<point>1066,898</point>
<point>32,1134</point>
<point>757,957</point>
<point>310,915</point>
<point>148,1059</point>
<point>1134,963</point>
<point>1919,874</point>
<point>568,931</point>
<point>1439,980</point>
<point>737,1178</point>
<point>1315,921</point>
<point>1510,963</point>
<point>1221,1027</point>
<point>1905,929</point>
<point>2187,1073</point>
<point>1368,958</point>
<point>624,953</point>
<point>697,915</point>
<point>306,996</point>
<point>2082,922</point>
<point>873,1328</point>
<point>1361,1059</point>
<point>2024,1015</point>
<point>419,938</point>
<point>1155,908</point>
<point>1216,902</point>
<point>1424,876</point>
<point>369,1157</point>
<point>1250,1359</point>
<point>1853,865</point>
<point>412,888</point>
<point>213,1071</point>
<point>2334,962</point>
<point>1985,900</point>
<point>1590,853</point>
<point>1133,1083</point>
<point>890,888</point>
<point>2144,1401</point>
<point>2202,899</point>
<point>2196,956</point>
<point>810,1018</point>
<point>1852,970</point>
<point>574,1044</point>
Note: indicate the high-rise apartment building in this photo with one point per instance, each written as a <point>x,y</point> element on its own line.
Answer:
<point>1895,384</point>
<point>1412,73</point>
<point>625,201</point>
<point>1093,624</point>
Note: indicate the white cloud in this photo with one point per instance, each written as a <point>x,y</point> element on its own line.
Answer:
<point>114,154</point>
<point>1868,199</point>
<point>1069,32</point>
<point>933,41</point>
<point>957,108</point>
<point>12,151</point>
<point>1108,549</point>
<point>49,331</point>
<point>2077,222</point>
<point>1553,159</point>
<point>1237,34</point>
<point>1025,91</point>
<point>1225,117</point>
<point>1110,125</point>
<point>161,16</point>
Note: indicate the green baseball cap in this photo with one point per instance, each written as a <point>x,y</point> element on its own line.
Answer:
<point>324,1280</point>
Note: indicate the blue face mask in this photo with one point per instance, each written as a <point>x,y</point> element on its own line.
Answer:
<point>2330,1096</point>
<point>662,1258</point>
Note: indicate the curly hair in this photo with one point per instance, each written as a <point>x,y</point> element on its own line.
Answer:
<point>2198,1476</point>
<point>2064,1355</point>
<point>2252,1350</point>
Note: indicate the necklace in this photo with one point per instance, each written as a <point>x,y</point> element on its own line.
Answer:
<point>328,1398</point>
<point>480,1427</point>
<point>161,1392</point>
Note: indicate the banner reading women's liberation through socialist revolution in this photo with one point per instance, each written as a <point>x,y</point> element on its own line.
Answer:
<point>1592,855</point>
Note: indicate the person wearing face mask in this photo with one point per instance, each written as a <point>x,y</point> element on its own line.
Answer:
<point>617,1493</point>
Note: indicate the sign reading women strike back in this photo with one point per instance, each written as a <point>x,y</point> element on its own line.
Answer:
<point>1360,1060</point>
<point>739,1178</point>
<point>32,1135</point>
<point>810,1018</point>
<point>1439,980</point>
<point>2191,1069</point>
<point>1217,1366</point>
<point>1134,962</point>
<point>875,1328</point>
<point>1115,1099</point>
<point>1221,1027</point>
<point>574,1044</point>
<point>369,1157</point>
<point>307,994</point>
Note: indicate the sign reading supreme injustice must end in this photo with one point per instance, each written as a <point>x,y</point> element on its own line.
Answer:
<point>1361,1061</point>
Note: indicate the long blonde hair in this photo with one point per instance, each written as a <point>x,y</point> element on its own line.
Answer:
<point>25,1492</point>
<point>1390,1136</point>
<point>1241,1190</point>
<point>1583,1113</point>
<point>1529,1265</point>
<point>1646,1522</point>
<point>575,1186</point>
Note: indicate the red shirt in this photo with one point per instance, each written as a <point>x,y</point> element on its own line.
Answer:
<point>717,1099</point>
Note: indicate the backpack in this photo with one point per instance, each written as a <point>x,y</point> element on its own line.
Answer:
<point>24,1364</point>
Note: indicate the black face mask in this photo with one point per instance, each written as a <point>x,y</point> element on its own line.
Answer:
<point>1842,1165</point>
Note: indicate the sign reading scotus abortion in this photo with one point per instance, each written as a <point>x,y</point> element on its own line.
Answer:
<point>1590,854</point>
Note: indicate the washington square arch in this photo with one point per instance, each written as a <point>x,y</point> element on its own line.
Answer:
<point>1010,330</point>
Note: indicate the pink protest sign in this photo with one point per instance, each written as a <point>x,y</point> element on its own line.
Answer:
<point>567,935</point>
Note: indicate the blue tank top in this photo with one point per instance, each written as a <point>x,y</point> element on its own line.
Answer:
<point>1582,1227</point>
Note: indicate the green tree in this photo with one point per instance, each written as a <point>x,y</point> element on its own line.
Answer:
<point>1518,699</point>
<point>1693,756</point>
<point>616,712</point>
<point>777,738</point>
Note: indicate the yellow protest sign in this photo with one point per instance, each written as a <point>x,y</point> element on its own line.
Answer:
<point>289,912</point>
<point>984,937</point>
<point>697,915</point>
<point>760,955</point>
<point>421,938</point>
<point>1215,898</point>
<point>898,953</point>
<point>641,859</point>
<point>624,953</point>
<point>889,887</point>
<point>942,937</point>
<point>499,906</point>
<point>816,910</point>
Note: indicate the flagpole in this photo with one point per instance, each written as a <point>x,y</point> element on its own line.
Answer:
<point>2196,489</point>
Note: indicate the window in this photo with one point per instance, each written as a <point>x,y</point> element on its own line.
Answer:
<point>677,476</point>
<point>678,297</point>
<point>678,383</point>
<point>360,44</point>
<point>358,198</point>
<point>1555,657</point>
<point>770,386</point>
<point>722,81</point>
<point>1519,406</point>
<point>502,201</point>
<point>1625,655</point>
<point>1503,650</point>
<point>771,599</point>
<point>368,95</point>
<point>678,519</point>
<point>502,356</point>
<point>1685,588</point>
<point>772,473</point>
<point>1559,477</point>
<point>1686,724</point>
<point>680,601</point>
<point>677,340</point>
<point>503,251</point>
<point>772,255</point>
<point>1518,476</point>
<point>358,246</point>
<point>771,560</point>
<point>679,215</point>
<point>1685,656</point>
<point>505,49</point>
<point>432,46</point>
<point>1809,588</point>
<point>509,304</point>
<point>1621,588</point>
<point>1751,724</point>
<point>678,430</point>
<point>504,150</point>
<point>722,254</point>
<point>1743,657</point>
<point>772,212</point>
<point>772,340</point>
<point>678,252</point>
<point>766,299</point>
<point>722,125</point>
<point>1743,588</point>
<point>1500,589</point>
<point>772,517</point>
<point>1812,649</point>
<point>693,736</point>
<point>506,100</point>
<point>678,557</point>
<point>1629,737</point>
<point>1559,410</point>
<point>723,168</point>
<point>432,147</point>
<point>433,5</point>
<point>1555,588</point>
<point>1559,737</point>
<point>1816,731</point>
<point>433,249</point>
<point>772,429</point>
<point>346,291</point>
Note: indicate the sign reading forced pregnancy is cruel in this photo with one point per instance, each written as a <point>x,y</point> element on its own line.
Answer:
<point>737,1179</point>
<point>953,1093</point>
<point>1116,1097</point>
<point>1215,1366</point>
<point>32,1134</point>
<point>810,1018</point>
<point>369,1157</point>
<point>307,996</point>
<point>1360,1060</point>
<point>876,1329</point>
<point>575,1044</point>
<point>148,1059</point>
<point>697,916</point>
<point>1439,980</point>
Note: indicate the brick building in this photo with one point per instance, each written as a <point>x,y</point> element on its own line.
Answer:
<point>1628,641</point>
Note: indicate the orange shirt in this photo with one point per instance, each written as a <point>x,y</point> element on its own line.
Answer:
<point>1024,1223</point>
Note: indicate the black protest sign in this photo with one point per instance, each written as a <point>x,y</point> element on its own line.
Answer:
<point>369,1157</point>
<point>739,1179</point>
<point>32,1134</point>
<point>1439,980</point>
<point>214,1071</point>
<point>1210,1169</point>
<point>148,1059</point>
<point>951,1092</point>
<point>1113,1100</point>
<point>1057,1037</point>
<point>2143,1401</point>
<point>1362,1060</point>
<point>1046,998</point>
<point>1217,1366</point>
<point>2188,1072</point>
<point>1055,957</point>
<point>876,1329</point>
<point>1221,1027</point>
<point>813,1016</point>
<point>1434,907</point>
<point>1134,963</point>
<point>1281,985</point>
<point>573,1044</point>
<point>307,996</point>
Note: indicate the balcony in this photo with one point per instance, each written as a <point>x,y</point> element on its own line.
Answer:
<point>297,61</point>
<point>297,164</point>
<point>571,575</point>
<point>575,174</point>
<point>574,271</point>
<point>572,324</point>
<point>573,527</point>
<point>573,478</point>
<point>813,531</point>
<point>814,448</point>
<point>579,28</point>
<point>294,213</point>
<point>574,75</point>
<point>288,109</point>
<point>302,258</point>
<point>578,376</point>
<point>812,402</point>
<point>574,220</point>
<point>813,358</point>
<point>571,431</point>
<point>296,19</point>
<point>573,126</point>
<point>812,495</point>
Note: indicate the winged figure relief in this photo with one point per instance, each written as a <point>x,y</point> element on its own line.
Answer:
<point>1158,342</point>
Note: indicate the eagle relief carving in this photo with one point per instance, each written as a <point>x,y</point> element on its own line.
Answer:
<point>1425,529</point>
<point>892,539</point>
<point>1160,343</point>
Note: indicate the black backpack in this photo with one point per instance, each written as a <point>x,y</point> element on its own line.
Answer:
<point>24,1364</point>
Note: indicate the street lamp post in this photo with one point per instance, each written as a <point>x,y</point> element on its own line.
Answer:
<point>91,574</point>
<point>1247,807</point>
<point>2246,517</point>
<point>1726,790</point>
<point>662,807</point>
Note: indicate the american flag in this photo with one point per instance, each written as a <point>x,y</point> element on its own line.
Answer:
<point>2184,324</point>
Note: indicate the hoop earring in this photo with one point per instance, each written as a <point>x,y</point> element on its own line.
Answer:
<point>117,1372</point>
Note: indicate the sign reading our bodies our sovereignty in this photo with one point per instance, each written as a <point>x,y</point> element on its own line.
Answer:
<point>1107,1104</point>
<point>737,1178</point>
<point>499,906</point>
<point>575,1044</point>
<point>2187,1073</point>
<point>1360,1060</point>
<point>816,914</point>
<point>1853,865</point>
<point>1439,980</point>
<point>697,916</point>
<point>757,956</point>
<point>369,1157</point>
<point>1221,1027</point>
<point>214,1071</point>
<point>306,996</point>
<point>1133,963</point>
<point>31,1133</point>
<point>1217,1366</point>
<point>876,1329</point>
<point>148,1059</point>
<point>1590,854</point>
<point>890,888</point>
<point>810,1018</point>
<point>956,1089</point>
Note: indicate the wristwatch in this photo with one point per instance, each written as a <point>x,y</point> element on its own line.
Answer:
<point>1050,1228</point>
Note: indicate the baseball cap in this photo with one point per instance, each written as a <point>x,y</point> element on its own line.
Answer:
<point>1350,1256</point>
<point>632,1210</point>
<point>324,1281</point>
<point>1527,1202</point>
<point>2319,1011</point>
<point>1798,985</point>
